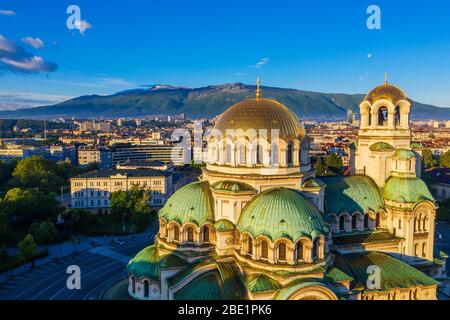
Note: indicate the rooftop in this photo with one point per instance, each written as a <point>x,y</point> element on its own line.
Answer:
<point>106,173</point>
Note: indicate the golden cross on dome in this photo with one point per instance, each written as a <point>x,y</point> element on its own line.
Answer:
<point>385,78</point>
<point>258,89</point>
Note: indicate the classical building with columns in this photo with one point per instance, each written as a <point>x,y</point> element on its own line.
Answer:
<point>260,225</point>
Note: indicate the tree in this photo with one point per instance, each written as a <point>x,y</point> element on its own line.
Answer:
<point>36,172</point>
<point>44,232</point>
<point>28,206</point>
<point>5,228</point>
<point>334,163</point>
<point>444,160</point>
<point>80,220</point>
<point>27,248</point>
<point>134,203</point>
<point>427,159</point>
<point>320,168</point>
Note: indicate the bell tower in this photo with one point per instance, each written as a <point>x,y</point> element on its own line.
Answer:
<point>384,128</point>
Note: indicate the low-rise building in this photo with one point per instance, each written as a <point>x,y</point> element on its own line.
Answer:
<point>165,153</point>
<point>92,190</point>
<point>95,154</point>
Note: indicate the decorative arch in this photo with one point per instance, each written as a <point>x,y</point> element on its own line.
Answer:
<point>311,292</point>
<point>174,234</point>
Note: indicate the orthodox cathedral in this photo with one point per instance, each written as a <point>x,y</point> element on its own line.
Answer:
<point>259,224</point>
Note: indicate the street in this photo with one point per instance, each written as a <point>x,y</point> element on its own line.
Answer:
<point>98,273</point>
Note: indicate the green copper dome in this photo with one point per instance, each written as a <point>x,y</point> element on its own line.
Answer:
<point>403,154</point>
<point>406,190</point>
<point>282,213</point>
<point>192,203</point>
<point>381,146</point>
<point>350,194</point>
<point>232,187</point>
<point>148,262</point>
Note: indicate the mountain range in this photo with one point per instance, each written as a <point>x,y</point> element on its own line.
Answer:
<point>207,102</point>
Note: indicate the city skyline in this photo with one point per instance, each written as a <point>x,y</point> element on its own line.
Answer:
<point>324,47</point>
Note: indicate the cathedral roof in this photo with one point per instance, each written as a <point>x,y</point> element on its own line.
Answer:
<point>386,91</point>
<point>281,213</point>
<point>381,146</point>
<point>406,190</point>
<point>256,114</point>
<point>148,262</point>
<point>403,154</point>
<point>394,273</point>
<point>350,194</point>
<point>192,203</point>
<point>232,187</point>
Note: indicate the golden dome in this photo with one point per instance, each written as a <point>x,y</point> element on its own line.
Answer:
<point>386,91</point>
<point>259,113</point>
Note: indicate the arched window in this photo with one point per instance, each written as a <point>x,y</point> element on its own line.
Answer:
<point>282,252</point>
<point>378,220</point>
<point>299,251</point>
<point>275,154</point>
<point>216,154</point>
<point>228,150</point>
<point>190,235</point>
<point>205,234</point>
<point>397,116</point>
<point>259,154</point>
<point>264,249</point>
<point>242,154</point>
<point>416,250</point>
<point>425,224</point>
<point>354,222</point>
<point>146,289</point>
<point>250,246</point>
<point>176,233</point>
<point>424,249</point>
<point>342,223</point>
<point>366,221</point>
<point>316,248</point>
<point>382,116</point>
<point>133,285</point>
<point>289,155</point>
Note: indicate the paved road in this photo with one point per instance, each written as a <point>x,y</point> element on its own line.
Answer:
<point>48,282</point>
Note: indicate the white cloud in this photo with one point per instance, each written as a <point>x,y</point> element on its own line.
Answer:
<point>262,63</point>
<point>15,58</point>
<point>34,42</point>
<point>7,13</point>
<point>82,26</point>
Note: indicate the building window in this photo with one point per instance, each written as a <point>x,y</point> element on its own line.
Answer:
<point>264,250</point>
<point>316,248</point>
<point>354,222</point>
<point>146,289</point>
<point>342,223</point>
<point>176,233</point>
<point>382,116</point>
<point>250,246</point>
<point>282,252</point>
<point>205,234</point>
<point>259,154</point>
<point>366,221</point>
<point>190,235</point>
<point>290,151</point>
<point>300,253</point>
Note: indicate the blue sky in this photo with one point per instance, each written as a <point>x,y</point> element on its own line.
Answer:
<point>311,45</point>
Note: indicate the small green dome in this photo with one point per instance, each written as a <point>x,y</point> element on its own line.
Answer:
<point>282,213</point>
<point>224,225</point>
<point>148,262</point>
<point>406,190</point>
<point>192,203</point>
<point>381,146</point>
<point>233,187</point>
<point>403,154</point>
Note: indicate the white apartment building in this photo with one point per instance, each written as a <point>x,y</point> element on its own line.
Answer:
<point>92,190</point>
